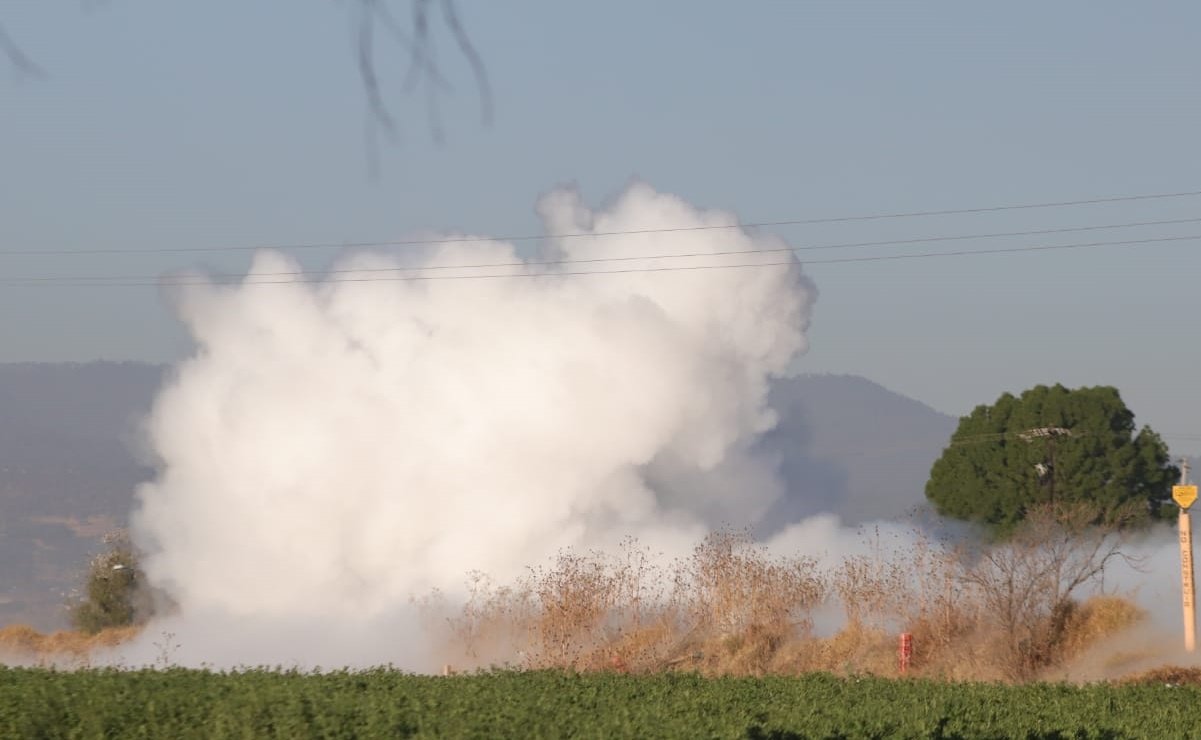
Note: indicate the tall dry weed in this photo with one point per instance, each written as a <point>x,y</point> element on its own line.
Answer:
<point>1001,611</point>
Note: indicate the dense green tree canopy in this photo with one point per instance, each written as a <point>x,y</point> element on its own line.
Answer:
<point>1051,444</point>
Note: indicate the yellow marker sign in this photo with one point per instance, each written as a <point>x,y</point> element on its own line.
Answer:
<point>1184,495</point>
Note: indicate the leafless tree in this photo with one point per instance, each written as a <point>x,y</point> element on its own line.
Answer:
<point>1027,583</point>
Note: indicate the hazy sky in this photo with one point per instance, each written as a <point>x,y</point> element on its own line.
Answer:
<point>166,125</point>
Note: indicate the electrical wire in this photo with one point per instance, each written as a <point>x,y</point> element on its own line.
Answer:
<point>305,278</point>
<point>585,235</point>
<point>627,258</point>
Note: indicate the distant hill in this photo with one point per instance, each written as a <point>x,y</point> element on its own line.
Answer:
<point>70,461</point>
<point>852,447</point>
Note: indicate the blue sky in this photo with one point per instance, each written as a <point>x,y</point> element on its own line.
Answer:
<point>227,122</point>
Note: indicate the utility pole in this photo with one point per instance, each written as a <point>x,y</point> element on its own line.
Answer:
<point>1184,495</point>
<point>1047,471</point>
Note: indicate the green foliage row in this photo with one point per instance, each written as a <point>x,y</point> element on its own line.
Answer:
<point>179,703</point>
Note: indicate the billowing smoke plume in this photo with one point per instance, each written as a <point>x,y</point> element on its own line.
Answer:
<point>333,449</point>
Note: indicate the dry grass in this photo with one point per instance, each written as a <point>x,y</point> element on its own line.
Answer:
<point>24,643</point>
<point>729,606</point>
<point>1097,619</point>
<point>733,608</point>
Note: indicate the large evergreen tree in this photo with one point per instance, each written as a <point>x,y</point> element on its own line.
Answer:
<point>1050,445</point>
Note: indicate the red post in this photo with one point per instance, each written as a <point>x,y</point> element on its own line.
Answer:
<point>905,652</point>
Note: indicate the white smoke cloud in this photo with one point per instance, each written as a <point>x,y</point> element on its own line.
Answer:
<point>333,449</point>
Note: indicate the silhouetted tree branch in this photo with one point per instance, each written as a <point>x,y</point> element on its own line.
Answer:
<point>375,18</point>
<point>417,40</point>
<point>20,61</point>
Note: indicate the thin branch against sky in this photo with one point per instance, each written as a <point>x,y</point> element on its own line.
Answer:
<point>23,64</point>
<point>375,18</point>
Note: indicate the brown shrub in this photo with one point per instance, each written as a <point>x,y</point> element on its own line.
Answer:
<point>730,607</point>
<point>1096,619</point>
<point>730,586</point>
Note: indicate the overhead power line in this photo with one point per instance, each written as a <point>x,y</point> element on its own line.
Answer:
<point>595,234</point>
<point>988,437</point>
<point>304,278</point>
<point>985,438</point>
<point>634,257</point>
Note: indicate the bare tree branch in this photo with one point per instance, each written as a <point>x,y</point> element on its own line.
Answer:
<point>366,58</point>
<point>23,64</point>
<point>384,15</point>
<point>451,14</point>
<point>423,71</point>
<point>1029,583</point>
<point>371,17</point>
<point>421,32</point>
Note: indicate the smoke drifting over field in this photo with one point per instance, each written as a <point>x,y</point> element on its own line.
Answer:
<point>333,449</point>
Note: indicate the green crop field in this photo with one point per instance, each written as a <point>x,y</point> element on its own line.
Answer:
<point>178,703</point>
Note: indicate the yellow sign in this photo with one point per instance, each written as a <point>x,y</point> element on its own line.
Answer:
<point>1184,495</point>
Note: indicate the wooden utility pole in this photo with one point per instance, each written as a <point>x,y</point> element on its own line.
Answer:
<point>1184,495</point>
<point>1047,471</point>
